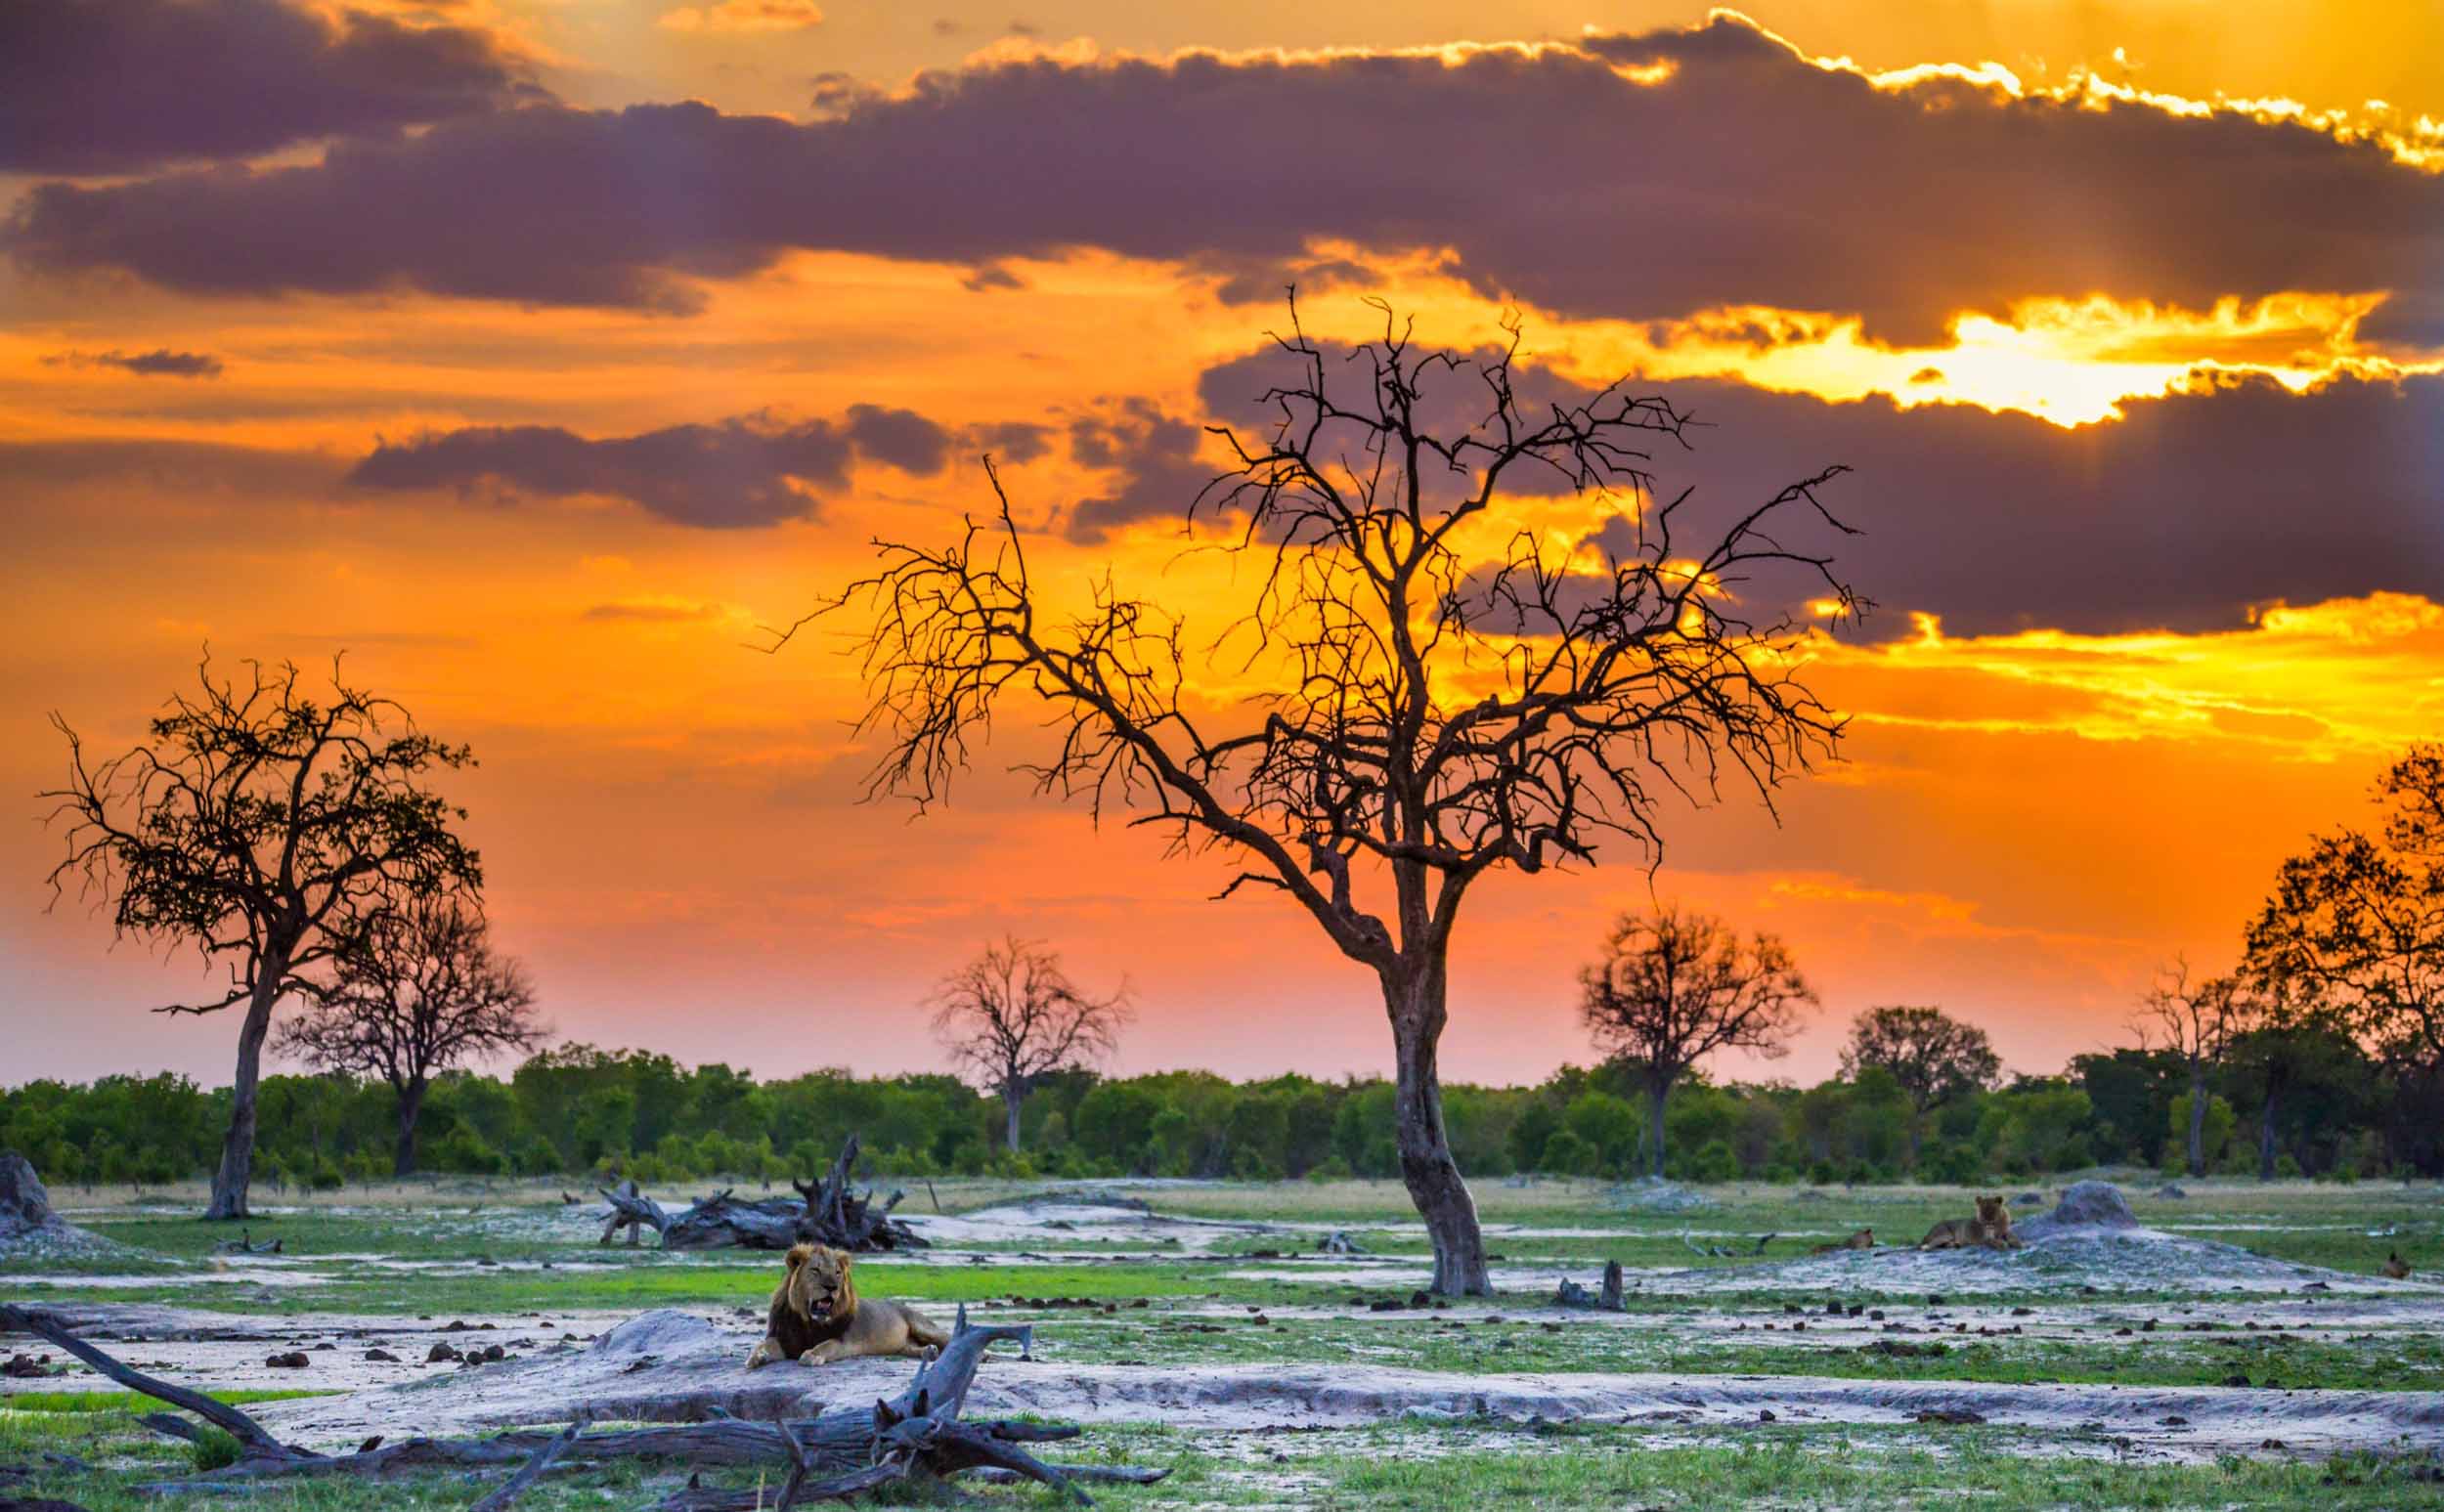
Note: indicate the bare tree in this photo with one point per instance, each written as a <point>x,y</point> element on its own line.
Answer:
<point>1012,1014</point>
<point>268,829</point>
<point>2199,1022</point>
<point>420,991</point>
<point>1451,688</point>
<point>1935,1057</point>
<point>1673,987</point>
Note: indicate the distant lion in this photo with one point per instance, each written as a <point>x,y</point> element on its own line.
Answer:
<point>1864,1238</point>
<point>1989,1229</point>
<point>817,1317</point>
<point>2396,1267</point>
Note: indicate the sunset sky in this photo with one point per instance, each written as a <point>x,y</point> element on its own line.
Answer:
<point>534,352</point>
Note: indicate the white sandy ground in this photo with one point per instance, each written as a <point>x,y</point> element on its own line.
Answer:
<point>2109,1260</point>
<point>668,1364</point>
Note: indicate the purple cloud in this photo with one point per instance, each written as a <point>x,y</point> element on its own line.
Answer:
<point>122,86</point>
<point>160,363</point>
<point>2181,515</point>
<point>749,470</point>
<point>1634,177</point>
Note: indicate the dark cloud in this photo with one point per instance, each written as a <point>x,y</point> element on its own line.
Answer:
<point>1155,455</point>
<point>741,472</point>
<point>160,363</point>
<point>1741,173</point>
<point>121,86</point>
<point>2181,515</point>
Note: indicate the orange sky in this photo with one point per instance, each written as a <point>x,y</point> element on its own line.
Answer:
<point>2149,487</point>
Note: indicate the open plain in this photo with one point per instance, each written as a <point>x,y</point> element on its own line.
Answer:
<point>1268,1344</point>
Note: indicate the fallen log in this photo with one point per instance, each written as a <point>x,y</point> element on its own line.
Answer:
<point>917,1435</point>
<point>1571,1294</point>
<point>632,1210</point>
<point>826,1212</point>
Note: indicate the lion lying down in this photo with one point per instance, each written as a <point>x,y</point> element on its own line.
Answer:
<point>817,1317</point>
<point>1989,1229</point>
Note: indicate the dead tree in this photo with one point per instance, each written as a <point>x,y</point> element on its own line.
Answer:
<point>918,1435</point>
<point>632,1210</point>
<point>1012,1014</point>
<point>419,992</point>
<point>830,1212</point>
<point>1674,987</point>
<point>2197,1022</point>
<point>269,831</point>
<point>1447,686</point>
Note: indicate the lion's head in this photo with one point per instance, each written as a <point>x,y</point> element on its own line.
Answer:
<point>819,1286</point>
<point>1993,1213</point>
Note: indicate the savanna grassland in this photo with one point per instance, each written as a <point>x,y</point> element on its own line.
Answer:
<point>2245,1353</point>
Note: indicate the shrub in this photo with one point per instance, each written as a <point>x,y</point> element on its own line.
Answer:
<point>214,1448</point>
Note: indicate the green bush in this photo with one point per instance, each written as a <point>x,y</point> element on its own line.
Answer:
<point>214,1448</point>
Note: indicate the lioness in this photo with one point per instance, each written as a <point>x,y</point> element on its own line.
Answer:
<point>1864,1238</point>
<point>1989,1229</point>
<point>817,1317</point>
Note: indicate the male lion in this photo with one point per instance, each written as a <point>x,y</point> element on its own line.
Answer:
<point>817,1317</point>
<point>1864,1238</point>
<point>1989,1229</point>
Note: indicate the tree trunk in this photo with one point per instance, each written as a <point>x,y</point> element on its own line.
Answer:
<point>1435,1185</point>
<point>1917,1134</point>
<point>236,1169</point>
<point>410,1108</point>
<point>1658,1093</point>
<point>1013,1098</point>
<point>2265,1139</point>
<point>2198,1125</point>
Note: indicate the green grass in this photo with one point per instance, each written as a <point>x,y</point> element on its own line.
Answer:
<point>128,1400</point>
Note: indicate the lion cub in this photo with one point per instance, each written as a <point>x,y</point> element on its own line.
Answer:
<point>1989,1229</point>
<point>1864,1238</point>
<point>817,1317</point>
<point>2396,1267</point>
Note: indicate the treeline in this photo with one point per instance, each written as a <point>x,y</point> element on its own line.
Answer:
<point>582,1113</point>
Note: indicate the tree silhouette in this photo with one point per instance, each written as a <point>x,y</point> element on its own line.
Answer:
<point>1448,690</point>
<point>420,991</point>
<point>2199,1022</point>
<point>1933,1057</point>
<point>1011,1015</point>
<point>2358,920</point>
<point>1674,987</point>
<point>268,829</point>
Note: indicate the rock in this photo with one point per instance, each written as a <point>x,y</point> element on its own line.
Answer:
<point>1962,1415</point>
<point>23,1204</point>
<point>2084,1205</point>
<point>2028,1198</point>
<point>383,1355</point>
<point>2171,1190</point>
<point>440,1353</point>
<point>292,1360</point>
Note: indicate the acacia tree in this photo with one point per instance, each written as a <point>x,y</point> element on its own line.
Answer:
<point>1935,1057</point>
<point>1011,1017</point>
<point>1450,690</point>
<point>1674,987</point>
<point>269,829</point>
<point>2358,920</point>
<point>419,991</point>
<point>2199,1022</point>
